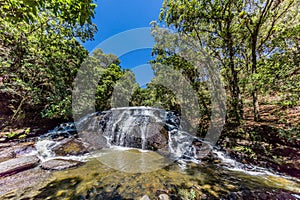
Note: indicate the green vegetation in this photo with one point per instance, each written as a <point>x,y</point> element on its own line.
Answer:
<point>255,46</point>
<point>40,55</point>
<point>255,42</point>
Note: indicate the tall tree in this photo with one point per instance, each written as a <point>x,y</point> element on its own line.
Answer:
<point>264,21</point>
<point>214,25</point>
<point>238,33</point>
<point>40,55</point>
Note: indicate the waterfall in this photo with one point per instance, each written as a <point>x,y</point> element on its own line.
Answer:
<point>144,128</point>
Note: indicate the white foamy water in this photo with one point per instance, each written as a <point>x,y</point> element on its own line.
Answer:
<point>234,165</point>
<point>44,152</point>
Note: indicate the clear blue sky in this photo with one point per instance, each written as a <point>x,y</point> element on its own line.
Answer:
<point>116,16</point>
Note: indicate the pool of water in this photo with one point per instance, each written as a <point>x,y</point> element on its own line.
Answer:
<point>131,173</point>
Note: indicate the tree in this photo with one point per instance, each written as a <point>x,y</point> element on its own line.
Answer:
<point>101,84</point>
<point>40,55</point>
<point>264,21</point>
<point>237,33</point>
<point>73,12</point>
<point>214,25</point>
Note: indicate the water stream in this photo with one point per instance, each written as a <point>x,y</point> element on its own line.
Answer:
<point>144,151</point>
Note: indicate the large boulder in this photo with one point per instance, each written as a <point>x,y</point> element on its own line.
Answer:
<point>70,146</point>
<point>17,165</point>
<point>13,186</point>
<point>136,127</point>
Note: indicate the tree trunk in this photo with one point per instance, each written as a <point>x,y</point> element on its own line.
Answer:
<point>235,93</point>
<point>254,71</point>
<point>236,106</point>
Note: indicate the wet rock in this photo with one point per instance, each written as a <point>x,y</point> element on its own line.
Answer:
<point>20,181</point>
<point>202,149</point>
<point>163,197</point>
<point>60,164</point>
<point>158,137</point>
<point>145,197</point>
<point>12,150</point>
<point>7,154</point>
<point>93,140</point>
<point>70,147</point>
<point>23,148</point>
<point>65,130</point>
<point>134,127</point>
<point>265,195</point>
<point>17,165</point>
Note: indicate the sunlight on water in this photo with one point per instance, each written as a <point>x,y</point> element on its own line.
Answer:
<point>132,160</point>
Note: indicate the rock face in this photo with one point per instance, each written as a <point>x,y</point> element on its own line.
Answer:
<point>60,164</point>
<point>135,127</point>
<point>7,154</point>
<point>17,165</point>
<point>143,128</point>
<point>70,147</point>
<point>20,181</point>
<point>13,150</point>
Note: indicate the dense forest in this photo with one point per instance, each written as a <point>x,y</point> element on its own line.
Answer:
<point>255,46</point>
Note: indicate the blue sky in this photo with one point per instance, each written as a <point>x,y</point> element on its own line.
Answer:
<point>116,16</point>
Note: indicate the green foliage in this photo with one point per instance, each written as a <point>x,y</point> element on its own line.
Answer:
<point>187,194</point>
<point>101,84</point>
<point>255,42</point>
<point>40,55</point>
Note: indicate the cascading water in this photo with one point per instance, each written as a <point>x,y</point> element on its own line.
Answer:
<point>143,142</point>
<point>144,128</point>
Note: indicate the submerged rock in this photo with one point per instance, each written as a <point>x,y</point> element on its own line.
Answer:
<point>60,164</point>
<point>261,194</point>
<point>18,164</point>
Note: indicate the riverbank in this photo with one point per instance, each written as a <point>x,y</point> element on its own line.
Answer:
<point>273,142</point>
<point>61,155</point>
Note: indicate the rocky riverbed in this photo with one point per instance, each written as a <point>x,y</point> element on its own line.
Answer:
<point>63,165</point>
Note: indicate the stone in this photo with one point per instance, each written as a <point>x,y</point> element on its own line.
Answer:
<point>261,194</point>
<point>163,197</point>
<point>145,197</point>
<point>7,154</point>
<point>18,164</point>
<point>23,148</point>
<point>94,141</point>
<point>158,137</point>
<point>15,150</point>
<point>22,180</point>
<point>60,164</point>
<point>70,147</point>
<point>136,127</point>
